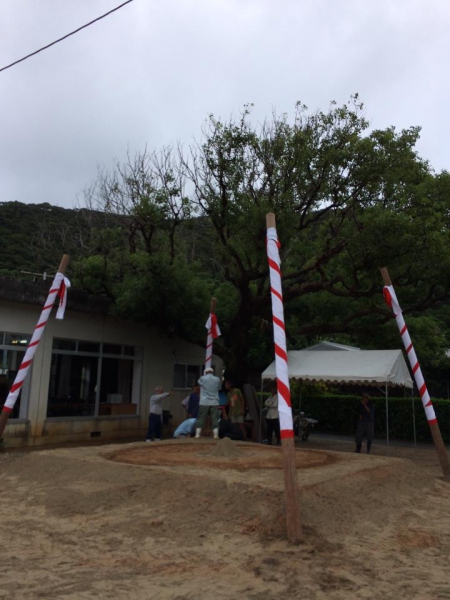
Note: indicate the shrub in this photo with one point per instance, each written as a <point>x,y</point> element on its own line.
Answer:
<point>340,414</point>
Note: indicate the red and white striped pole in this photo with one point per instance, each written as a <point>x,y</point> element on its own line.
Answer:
<point>58,288</point>
<point>213,332</point>
<point>294,528</point>
<point>391,300</point>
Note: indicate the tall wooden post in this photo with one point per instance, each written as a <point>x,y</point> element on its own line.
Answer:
<point>4,416</point>
<point>210,336</point>
<point>293,521</point>
<point>441,450</point>
<point>32,346</point>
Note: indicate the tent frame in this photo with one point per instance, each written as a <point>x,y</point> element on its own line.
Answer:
<point>385,392</point>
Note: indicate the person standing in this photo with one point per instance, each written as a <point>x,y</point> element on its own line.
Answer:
<point>155,417</point>
<point>272,416</point>
<point>209,401</point>
<point>185,404</point>
<point>365,424</point>
<point>224,406</point>
<point>236,402</point>
<point>194,402</point>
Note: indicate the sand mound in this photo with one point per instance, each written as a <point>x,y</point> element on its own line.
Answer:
<point>206,454</point>
<point>226,449</point>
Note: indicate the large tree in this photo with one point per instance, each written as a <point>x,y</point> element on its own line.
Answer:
<point>347,200</point>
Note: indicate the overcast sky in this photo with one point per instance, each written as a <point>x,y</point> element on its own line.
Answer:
<point>152,72</point>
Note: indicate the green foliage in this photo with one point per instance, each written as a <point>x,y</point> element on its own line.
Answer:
<point>347,201</point>
<point>165,232</point>
<point>151,289</point>
<point>35,236</point>
<point>340,414</point>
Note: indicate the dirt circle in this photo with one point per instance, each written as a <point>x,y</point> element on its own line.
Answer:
<point>223,454</point>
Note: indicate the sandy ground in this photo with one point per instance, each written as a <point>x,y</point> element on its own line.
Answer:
<point>194,524</point>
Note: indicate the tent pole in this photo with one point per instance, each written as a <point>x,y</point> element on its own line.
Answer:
<point>299,405</point>
<point>260,410</point>
<point>387,418</point>
<point>414,418</point>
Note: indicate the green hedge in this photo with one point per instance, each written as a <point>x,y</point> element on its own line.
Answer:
<point>339,414</point>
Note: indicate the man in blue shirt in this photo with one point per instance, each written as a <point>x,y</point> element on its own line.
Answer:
<point>186,429</point>
<point>209,401</point>
<point>194,403</point>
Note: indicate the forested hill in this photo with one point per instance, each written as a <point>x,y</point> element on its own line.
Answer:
<point>34,236</point>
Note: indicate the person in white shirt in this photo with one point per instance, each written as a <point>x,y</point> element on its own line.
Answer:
<point>155,417</point>
<point>272,416</point>
<point>184,404</point>
<point>209,401</point>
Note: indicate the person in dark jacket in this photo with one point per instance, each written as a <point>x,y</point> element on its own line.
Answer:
<point>194,402</point>
<point>230,430</point>
<point>272,416</point>
<point>365,423</point>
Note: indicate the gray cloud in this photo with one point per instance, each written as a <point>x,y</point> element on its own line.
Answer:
<point>152,72</point>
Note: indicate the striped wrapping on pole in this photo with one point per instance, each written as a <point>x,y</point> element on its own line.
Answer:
<point>58,288</point>
<point>213,332</point>
<point>391,300</point>
<point>279,333</point>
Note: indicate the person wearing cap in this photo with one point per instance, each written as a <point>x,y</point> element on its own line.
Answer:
<point>209,401</point>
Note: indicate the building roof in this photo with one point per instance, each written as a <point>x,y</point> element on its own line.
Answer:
<point>35,292</point>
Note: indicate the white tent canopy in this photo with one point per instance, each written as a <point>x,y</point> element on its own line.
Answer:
<point>362,367</point>
<point>325,345</point>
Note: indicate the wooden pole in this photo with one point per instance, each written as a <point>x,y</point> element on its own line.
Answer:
<point>63,264</point>
<point>293,521</point>
<point>209,337</point>
<point>433,424</point>
<point>4,415</point>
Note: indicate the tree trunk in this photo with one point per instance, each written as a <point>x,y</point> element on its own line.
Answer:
<point>236,362</point>
<point>238,341</point>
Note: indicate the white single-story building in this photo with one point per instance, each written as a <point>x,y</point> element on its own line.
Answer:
<point>92,375</point>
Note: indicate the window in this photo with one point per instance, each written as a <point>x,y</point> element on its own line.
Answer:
<point>185,376</point>
<point>179,377</point>
<point>89,347</point>
<point>12,351</point>
<point>85,381</point>
<point>192,375</point>
<point>60,344</point>
<point>117,380</point>
<point>112,349</point>
<point>73,380</point>
<point>17,339</point>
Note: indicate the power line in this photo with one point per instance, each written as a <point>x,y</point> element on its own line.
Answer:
<point>65,37</point>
